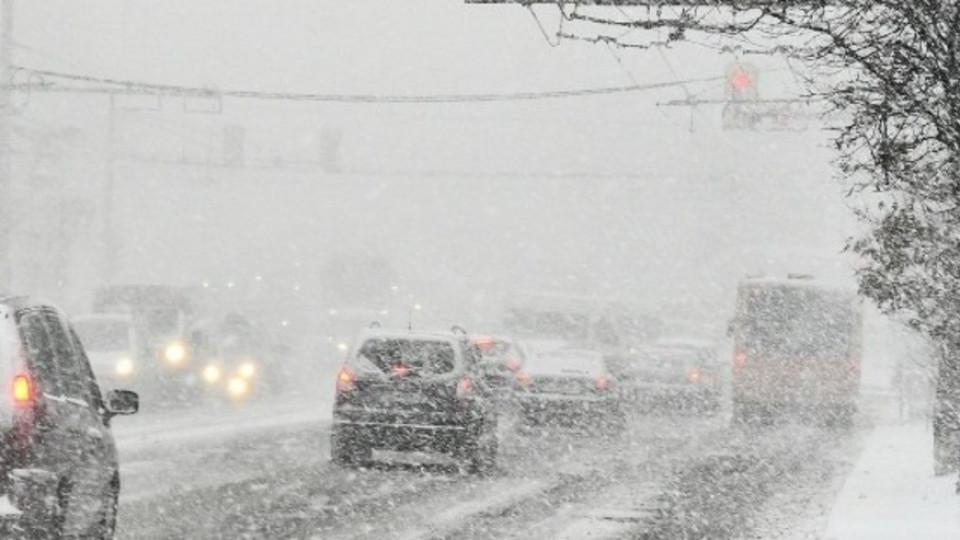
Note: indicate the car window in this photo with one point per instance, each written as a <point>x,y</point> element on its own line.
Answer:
<point>88,376</point>
<point>471,354</point>
<point>424,356</point>
<point>73,379</point>
<point>39,352</point>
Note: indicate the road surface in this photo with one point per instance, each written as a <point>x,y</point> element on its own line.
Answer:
<point>263,472</point>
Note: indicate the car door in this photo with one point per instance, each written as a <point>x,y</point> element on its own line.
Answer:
<point>88,435</point>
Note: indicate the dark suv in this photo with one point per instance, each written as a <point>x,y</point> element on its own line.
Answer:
<point>58,463</point>
<point>407,391</point>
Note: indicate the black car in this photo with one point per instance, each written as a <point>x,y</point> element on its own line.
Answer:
<point>414,391</point>
<point>58,462</point>
<point>569,386</point>
<point>674,374</point>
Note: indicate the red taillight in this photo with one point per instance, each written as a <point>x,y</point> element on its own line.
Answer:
<point>22,389</point>
<point>694,375</point>
<point>345,379</point>
<point>739,359</point>
<point>484,343</point>
<point>400,370</point>
<point>514,365</point>
<point>602,383</point>
<point>464,388</point>
<point>523,378</point>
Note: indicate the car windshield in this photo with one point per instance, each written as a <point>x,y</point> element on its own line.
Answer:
<point>103,335</point>
<point>157,324</point>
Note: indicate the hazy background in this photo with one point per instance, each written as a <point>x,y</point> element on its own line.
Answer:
<point>612,195</point>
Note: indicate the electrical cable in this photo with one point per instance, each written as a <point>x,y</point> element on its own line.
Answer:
<point>121,86</point>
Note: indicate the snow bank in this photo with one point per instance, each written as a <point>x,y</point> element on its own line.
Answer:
<point>892,493</point>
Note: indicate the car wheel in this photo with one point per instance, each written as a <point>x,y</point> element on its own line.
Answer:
<point>347,450</point>
<point>106,526</point>
<point>106,529</point>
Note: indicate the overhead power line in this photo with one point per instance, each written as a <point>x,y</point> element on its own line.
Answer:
<point>120,86</point>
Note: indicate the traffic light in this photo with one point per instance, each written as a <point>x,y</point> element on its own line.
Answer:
<point>741,82</point>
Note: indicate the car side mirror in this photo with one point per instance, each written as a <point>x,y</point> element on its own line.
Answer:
<point>120,402</point>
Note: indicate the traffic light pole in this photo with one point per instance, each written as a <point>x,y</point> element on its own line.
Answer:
<point>6,154</point>
<point>110,245</point>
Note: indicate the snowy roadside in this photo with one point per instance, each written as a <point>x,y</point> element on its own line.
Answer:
<point>892,493</point>
<point>193,426</point>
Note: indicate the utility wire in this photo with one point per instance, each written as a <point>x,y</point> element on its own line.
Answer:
<point>120,86</point>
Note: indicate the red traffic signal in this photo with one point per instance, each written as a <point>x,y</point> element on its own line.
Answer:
<point>741,82</point>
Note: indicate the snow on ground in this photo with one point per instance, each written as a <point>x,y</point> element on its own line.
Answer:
<point>892,493</point>
<point>173,428</point>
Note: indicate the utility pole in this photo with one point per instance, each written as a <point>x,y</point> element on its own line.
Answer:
<point>6,155</point>
<point>110,245</point>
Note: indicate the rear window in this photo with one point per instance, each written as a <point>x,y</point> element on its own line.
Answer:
<point>673,356</point>
<point>564,362</point>
<point>798,321</point>
<point>420,356</point>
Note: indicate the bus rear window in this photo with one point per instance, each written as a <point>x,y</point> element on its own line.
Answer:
<point>798,321</point>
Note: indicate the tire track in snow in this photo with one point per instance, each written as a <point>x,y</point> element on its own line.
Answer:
<point>542,511</point>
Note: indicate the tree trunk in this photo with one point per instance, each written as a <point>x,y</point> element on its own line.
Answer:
<point>946,411</point>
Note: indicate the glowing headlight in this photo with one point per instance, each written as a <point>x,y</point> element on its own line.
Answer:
<point>175,353</point>
<point>247,370</point>
<point>237,387</point>
<point>124,366</point>
<point>342,347</point>
<point>211,374</point>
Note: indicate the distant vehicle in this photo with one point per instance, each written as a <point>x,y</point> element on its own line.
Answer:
<point>59,475</point>
<point>236,359</point>
<point>584,321</point>
<point>407,390</point>
<point>500,359</point>
<point>797,348</point>
<point>113,348</point>
<point>162,316</point>
<point>569,387</point>
<point>673,375</point>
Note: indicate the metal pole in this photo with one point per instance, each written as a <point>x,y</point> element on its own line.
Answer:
<point>109,260</point>
<point>6,169</point>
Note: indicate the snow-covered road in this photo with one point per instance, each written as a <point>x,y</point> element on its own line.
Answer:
<point>264,473</point>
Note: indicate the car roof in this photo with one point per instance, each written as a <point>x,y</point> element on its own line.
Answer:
<point>119,317</point>
<point>689,343</point>
<point>799,281</point>
<point>19,302</point>
<point>420,335</point>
